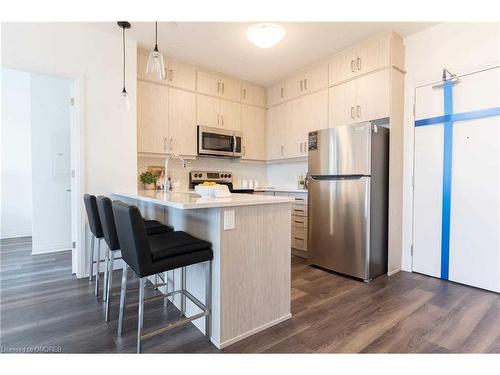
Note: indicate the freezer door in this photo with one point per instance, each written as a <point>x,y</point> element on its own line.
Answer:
<point>339,222</point>
<point>343,150</point>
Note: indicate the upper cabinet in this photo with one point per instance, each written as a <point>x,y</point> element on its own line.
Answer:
<point>313,79</point>
<point>253,121</point>
<point>253,94</point>
<point>177,74</point>
<point>215,85</point>
<point>383,51</point>
<point>216,112</point>
<point>276,94</point>
<point>181,75</point>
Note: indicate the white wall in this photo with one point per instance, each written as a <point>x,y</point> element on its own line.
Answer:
<point>51,163</point>
<point>15,202</point>
<point>458,47</point>
<point>72,50</point>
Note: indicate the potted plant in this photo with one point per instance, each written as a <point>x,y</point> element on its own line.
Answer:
<point>149,180</point>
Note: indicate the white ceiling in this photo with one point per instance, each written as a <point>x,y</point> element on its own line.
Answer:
<point>223,47</point>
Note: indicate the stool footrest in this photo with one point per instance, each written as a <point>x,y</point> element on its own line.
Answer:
<point>175,324</point>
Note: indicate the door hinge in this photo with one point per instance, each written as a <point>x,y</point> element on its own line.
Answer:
<point>411,249</point>
<point>72,101</point>
<point>73,245</point>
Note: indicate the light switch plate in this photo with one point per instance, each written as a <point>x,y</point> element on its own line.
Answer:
<point>228,219</point>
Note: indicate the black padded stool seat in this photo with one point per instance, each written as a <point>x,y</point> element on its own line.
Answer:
<point>155,227</point>
<point>171,244</point>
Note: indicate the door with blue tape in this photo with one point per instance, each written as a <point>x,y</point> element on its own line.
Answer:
<point>456,195</point>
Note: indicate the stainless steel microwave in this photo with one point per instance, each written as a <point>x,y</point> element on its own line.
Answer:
<point>219,142</point>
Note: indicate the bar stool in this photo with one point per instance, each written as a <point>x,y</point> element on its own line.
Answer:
<point>97,234</point>
<point>148,256</point>
<point>105,211</point>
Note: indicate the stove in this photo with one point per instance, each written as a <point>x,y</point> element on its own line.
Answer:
<point>223,178</point>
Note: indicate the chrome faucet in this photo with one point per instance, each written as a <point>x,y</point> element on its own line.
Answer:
<point>166,186</point>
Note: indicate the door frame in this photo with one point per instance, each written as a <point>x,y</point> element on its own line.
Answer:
<point>78,231</point>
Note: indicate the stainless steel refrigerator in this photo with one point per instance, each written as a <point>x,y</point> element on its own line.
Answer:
<point>348,199</point>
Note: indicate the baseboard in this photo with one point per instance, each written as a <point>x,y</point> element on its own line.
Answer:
<point>16,237</point>
<point>253,331</point>
<point>393,272</point>
<point>50,249</point>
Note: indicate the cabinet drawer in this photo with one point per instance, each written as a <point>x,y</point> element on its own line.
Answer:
<point>299,238</point>
<point>299,221</point>
<point>300,199</point>
<point>299,210</point>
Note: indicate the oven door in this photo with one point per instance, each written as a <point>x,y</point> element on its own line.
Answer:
<point>219,142</point>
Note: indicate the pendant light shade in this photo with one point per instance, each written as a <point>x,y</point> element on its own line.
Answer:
<point>155,60</point>
<point>126,100</point>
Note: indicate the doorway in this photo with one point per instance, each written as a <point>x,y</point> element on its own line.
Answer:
<point>39,161</point>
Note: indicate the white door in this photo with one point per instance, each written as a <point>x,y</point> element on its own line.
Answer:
<point>474,220</point>
<point>51,163</point>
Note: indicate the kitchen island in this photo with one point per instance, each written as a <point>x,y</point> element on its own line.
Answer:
<point>251,241</point>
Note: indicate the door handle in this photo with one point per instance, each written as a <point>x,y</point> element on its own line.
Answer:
<point>171,74</point>
<point>223,87</point>
<point>352,66</point>
<point>165,144</point>
<point>218,86</point>
<point>305,84</point>
<point>171,140</point>
<point>282,93</point>
<point>301,147</point>
<point>358,110</point>
<point>244,94</point>
<point>217,119</point>
<point>68,190</point>
<point>282,148</point>
<point>358,63</point>
<point>352,112</point>
<point>301,85</point>
<point>244,150</point>
<point>222,118</point>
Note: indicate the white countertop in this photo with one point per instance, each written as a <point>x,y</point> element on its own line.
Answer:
<point>186,200</point>
<point>283,190</point>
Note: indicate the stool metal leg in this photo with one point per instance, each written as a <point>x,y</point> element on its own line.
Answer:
<point>141,312</point>
<point>108,286</point>
<point>91,256</point>
<point>165,278</point>
<point>208,301</point>
<point>122,300</point>
<point>96,293</point>
<point>106,273</point>
<point>183,288</point>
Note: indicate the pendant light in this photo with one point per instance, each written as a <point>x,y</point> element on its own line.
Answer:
<point>124,25</point>
<point>155,60</point>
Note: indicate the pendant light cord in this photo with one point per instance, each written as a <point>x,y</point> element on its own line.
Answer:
<point>156,35</point>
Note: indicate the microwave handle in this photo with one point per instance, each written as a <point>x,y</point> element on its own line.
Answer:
<point>234,144</point>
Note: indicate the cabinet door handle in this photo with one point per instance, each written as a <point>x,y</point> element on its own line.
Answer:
<point>282,150</point>
<point>171,74</point>
<point>353,69</point>
<point>358,63</point>
<point>301,147</point>
<point>358,110</point>
<point>165,144</point>
<point>244,94</point>
<point>244,150</point>
<point>352,112</point>
<point>301,85</point>
<point>217,119</point>
<point>223,87</point>
<point>218,86</point>
<point>171,140</point>
<point>282,93</point>
<point>305,84</point>
<point>222,117</point>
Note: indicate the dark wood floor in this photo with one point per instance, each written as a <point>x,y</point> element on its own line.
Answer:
<point>43,304</point>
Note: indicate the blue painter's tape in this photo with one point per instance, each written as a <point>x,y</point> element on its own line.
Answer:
<point>447,166</point>
<point>454,117</point>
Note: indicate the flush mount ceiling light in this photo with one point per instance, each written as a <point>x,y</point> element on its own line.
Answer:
<point>124,25</point>
<point>155,60</point>
<point>265,35</point>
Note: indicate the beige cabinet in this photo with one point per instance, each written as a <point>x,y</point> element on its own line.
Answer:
<point>275,132</point>
<point>342,104</point>
<point>207,111</point>
<point>380,52</point>
<point>152,117</point>
<point>181,122</point>
<point>363,99</point>
<point>253,94</point>
<point>276,94</point>
<point>294,128</point>
<point>230,113</point>
<point>181,75</point>
<point>216,112</point>
<point>315,115</point>
<point>313,79</point>
<point>215,85</point>
<point>253,121</point>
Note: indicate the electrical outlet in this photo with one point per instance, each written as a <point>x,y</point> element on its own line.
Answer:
<point>228,219</point>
